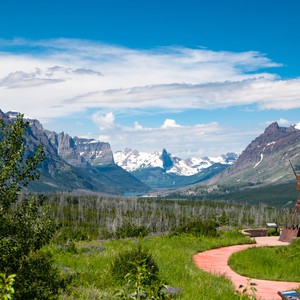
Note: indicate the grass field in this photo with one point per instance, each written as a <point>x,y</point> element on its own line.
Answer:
<point>270,263</point>
<point>90,263</point>
<point>91,225</point>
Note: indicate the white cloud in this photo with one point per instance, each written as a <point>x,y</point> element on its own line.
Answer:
<point>104,122</point>
<point>185,141</point>
<point>137,126</point>
<point>69,76</point>
<point>73,76</point>
<point>283,122</point>
<point>170,123</point>
<point>280,121</point>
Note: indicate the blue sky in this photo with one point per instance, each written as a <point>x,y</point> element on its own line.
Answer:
<point>195,77</point>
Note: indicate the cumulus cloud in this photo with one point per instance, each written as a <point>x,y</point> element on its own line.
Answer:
<point>104,122</point>
<point>170,123</point>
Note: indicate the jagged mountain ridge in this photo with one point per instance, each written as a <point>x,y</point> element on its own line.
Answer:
<point>161,169</point>
<point>133,160</point>
<point>265,160</point>
<point>75,163</point>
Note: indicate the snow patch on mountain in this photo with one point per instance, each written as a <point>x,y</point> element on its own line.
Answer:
<point>133,160</point>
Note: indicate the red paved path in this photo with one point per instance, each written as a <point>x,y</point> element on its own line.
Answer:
<point>215,261</point>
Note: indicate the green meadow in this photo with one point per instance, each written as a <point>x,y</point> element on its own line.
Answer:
<point>94,230</point>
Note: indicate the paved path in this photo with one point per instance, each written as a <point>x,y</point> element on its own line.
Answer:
<point>215,261</point>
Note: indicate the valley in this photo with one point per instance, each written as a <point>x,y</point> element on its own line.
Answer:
<point>96,238</point>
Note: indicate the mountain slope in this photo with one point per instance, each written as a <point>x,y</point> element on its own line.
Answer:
<point>74,163</point>
<point>265,160</point>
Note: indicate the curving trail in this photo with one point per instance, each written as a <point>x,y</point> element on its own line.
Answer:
<point>215,261</point>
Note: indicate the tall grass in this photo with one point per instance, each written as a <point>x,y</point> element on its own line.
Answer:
<point>87,218</point>
<point>173,255</point>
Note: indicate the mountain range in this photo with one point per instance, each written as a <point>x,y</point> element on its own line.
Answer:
<point>163,170</point>
<point>75,163</point>
<point>265,161</point>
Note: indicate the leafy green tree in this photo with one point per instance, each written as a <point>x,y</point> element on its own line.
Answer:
<point>16,170</point>
<point>25,226</point>
<point>6,286</point>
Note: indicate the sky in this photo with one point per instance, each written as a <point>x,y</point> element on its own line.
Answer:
<point>198,78</point>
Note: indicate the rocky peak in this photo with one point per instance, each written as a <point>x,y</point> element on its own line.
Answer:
<point>265,159</point>
<point>95,152</point>
<point>67,150</point>
<point>275,131</point>
<point>273,127</point>
<point>167,160</point>
<point>65,142</point>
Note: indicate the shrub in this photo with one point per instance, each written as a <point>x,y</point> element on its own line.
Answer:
<point>139,287</point>
<point>130,230</point>
<point>138,273</point>
<point>273,232</point>
<point>38,278</point>
<point>128,261</point>
<point>197,228</point>
<point>73,235</point>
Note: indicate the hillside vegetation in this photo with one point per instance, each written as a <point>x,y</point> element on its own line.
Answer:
<point>100,216</point>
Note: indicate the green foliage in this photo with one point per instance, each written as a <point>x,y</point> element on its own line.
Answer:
<point>23,229</point>
<point>277,195</point>
<point>173,255</point>
<point>6,286</point>
<point>25,226</point>
<point>71,247</point>
<point>130,230</point>
<point>294,246</point>
<point>38,279</point>
<point>16,170</point>
<point>224,219</point>
<point>139,286</point>
<point>197,228</point>
<point>98,216</point>
<point>128,261</point>
<point>74,235</point>
<point>247,292</point>
<point>273,232</point>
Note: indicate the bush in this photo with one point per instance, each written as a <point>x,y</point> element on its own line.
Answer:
<point>130,230</point>
<point>128,261</point>
<point>38,278</point>
<point>138,273</point>
<point>73,235</point>
<point>138,286</point>
<point>273,232</point>
<point>197,228</point>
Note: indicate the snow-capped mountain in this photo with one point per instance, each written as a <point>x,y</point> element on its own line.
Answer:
<point>133,160</point>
